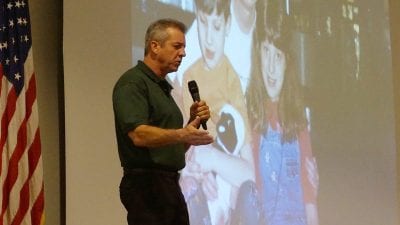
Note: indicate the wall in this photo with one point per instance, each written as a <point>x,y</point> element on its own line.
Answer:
<point>96,53</point>
<point>46,24</point>
<point>395,37</point>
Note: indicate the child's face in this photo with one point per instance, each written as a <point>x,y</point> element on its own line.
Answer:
<point>273,64</point>
<point>211,30</point>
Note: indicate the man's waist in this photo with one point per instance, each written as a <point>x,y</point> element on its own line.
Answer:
<point>159,171</point>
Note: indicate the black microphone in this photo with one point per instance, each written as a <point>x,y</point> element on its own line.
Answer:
<point>194,91</point>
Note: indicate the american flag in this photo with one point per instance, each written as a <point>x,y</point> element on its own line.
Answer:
<point>21,173</point>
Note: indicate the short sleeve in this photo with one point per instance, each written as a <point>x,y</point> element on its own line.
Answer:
<point>130,103</point>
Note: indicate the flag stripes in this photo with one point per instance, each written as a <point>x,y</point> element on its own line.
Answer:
<point>21,173</point>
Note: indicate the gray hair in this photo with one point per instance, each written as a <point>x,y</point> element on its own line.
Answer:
<point>157,31</point>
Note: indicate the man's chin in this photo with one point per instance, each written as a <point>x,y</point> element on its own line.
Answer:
<point>174,68</point>
<point>172,71</point>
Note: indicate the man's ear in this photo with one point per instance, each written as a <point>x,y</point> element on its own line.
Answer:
<point>154,46</point>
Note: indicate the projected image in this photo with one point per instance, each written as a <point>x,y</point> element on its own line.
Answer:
<point>266,69</point>
<point>260,170</point>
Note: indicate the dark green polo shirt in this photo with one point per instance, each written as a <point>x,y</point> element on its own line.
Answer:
<point>140,97</point>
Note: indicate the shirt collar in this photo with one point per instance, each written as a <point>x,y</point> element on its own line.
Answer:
<point>163,83</point>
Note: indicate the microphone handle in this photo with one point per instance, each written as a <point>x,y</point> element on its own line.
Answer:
<point>196,97</point>
<point>204,125</point>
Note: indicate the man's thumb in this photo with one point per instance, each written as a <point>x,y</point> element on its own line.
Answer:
<point>196,122</point>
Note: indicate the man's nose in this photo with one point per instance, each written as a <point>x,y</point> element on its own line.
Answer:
<point>182,52</point>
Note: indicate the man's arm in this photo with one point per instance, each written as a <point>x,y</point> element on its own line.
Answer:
<point>150,136</point>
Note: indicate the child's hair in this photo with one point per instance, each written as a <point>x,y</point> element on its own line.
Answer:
<point>274,25</point>
<point>208,6</point>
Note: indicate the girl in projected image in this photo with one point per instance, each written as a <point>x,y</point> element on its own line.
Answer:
<point>286,173</point>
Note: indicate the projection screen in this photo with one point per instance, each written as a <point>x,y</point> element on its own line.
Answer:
<point>315,145</point>
<point>320,152</point>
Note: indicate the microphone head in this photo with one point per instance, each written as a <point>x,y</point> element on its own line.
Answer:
<point>193,88</point>
<point>194,92</point>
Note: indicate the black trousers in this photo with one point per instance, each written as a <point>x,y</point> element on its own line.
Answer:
<point>153,197</point>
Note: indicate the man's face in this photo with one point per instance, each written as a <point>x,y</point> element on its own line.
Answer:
<point>172,51</point>
<point>273,63</point>
<point>211,31</point>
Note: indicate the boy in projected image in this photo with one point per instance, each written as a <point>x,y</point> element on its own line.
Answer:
<point>213,174</point>
<point>286,172</point>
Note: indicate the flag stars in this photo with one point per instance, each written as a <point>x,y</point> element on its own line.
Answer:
<point>17,76</point>
<point>18,4</point>
<point>19,21</point>
<point>3,45</point>
<point>15,41</point>
<point>24,38</point>
<point>3,28</point>
<point>22,21</point>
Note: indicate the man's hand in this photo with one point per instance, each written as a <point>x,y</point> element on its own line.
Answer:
<point>192,136</point>
<point>199,109</point>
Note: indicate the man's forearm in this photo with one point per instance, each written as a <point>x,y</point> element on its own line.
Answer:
<point>152,137</point>
<point>149,136</point>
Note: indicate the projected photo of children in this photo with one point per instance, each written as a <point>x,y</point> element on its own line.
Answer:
<point>301,100</point>
<point>261,169</point>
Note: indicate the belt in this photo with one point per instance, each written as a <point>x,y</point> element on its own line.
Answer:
<point>135,171</point>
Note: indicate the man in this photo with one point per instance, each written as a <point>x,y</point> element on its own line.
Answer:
<point>150,137</point>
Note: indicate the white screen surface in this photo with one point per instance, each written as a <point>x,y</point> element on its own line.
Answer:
<point>343,58</point>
